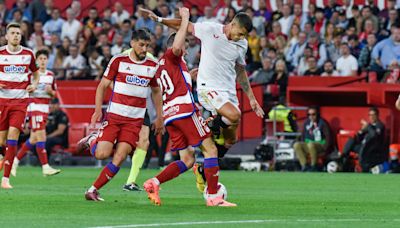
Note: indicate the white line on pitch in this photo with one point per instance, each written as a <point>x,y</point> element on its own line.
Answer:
<point>245,221</point>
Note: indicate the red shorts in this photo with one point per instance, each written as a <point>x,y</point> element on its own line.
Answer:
<point>189,131</point>
<point>12,116</point>
<point>37,121</point>
<point>113,131</point>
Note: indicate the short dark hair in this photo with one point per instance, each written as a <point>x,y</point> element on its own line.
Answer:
<point>140,34</point>
<point>171,38</point>
<point>42,52</point>
<point>13,25</point>
<point>244,21</point>
<point>374,109</point>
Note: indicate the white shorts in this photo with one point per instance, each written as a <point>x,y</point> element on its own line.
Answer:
<point>212,100</point>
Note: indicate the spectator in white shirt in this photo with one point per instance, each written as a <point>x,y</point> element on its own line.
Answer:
<point>55,24</point>
<point>74,63</point>
<point>223,11</point>
<point>119,15</point>
<point>118,44</point>
<point>208,15</point>
<point>287,19</point>
<point>71,27</point>
<point>96,68</point>
<point>347,64</point>
<point>329,69</point>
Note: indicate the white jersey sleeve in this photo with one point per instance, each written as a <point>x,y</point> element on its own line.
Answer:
<point>202,29</point>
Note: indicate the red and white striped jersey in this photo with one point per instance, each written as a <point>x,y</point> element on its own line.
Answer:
<point>176,86</point>
<point>131,86</point>
<point>40,99</point>
<point>15,68</point>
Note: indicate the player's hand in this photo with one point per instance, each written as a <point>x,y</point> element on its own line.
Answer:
<point>149,13</point>
<point>48,89</point>
<point>2,86</point>
<point>96,117</point>
<point>193,73</point>
<point>158,126</point>
<point>31,88</point>
<point>257,108</point>
<point>184,13</point>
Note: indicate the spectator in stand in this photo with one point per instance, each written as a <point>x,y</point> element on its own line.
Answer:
<point>93,20</point>
<point>387,50</point>
<point>315,140</point>
<point>41,10</point>
<point>126,32</point>
<point>194,14</point>
<point>276,32</point>
<point>144,21</point>
<point>106,53</point>
<point>313,69</point>
<point>319,49</point>
<point>303,64</point>
<point>254,46</point>
<point>294,52</point>
<point>193,52</point>
<point>109,30</point>
<point>230,16</point>
<point>72,27</point>
<point>308,28</point>
<point>366,14</point>
<point>347,64</point>
<point>263,11</point>
<point>162,9</point>
<point>365,59</point>
<point>311,13</point>
<point>38,32</point>
<point>56,127</point>
<point>343,22</point>
<point>331,8</point>
<point>367,29</point>
<point>55,24</point>
<point>76,9</point>
<point>355,46</point>
<point>119,15</point>
<point>95,60</point>
<point>17,17</point>
<point>107,16</point>
<point>264,74</point>
<point>160,38</point>
<point>293,36</point>
<point>393,73</point>
<point>258,21</point>
<point>374,9</point>
<point>286,20</point>
<point>23,8</point>
<point>329,69</point>
<point>280,45</point>
<point>299,17</point>
<point>118,45</point>
<point>3,13</point>
<point>320,21</point>
<point>223,11</point>
<point>329,34</point>
<point>61,54</point>
<point>208,15</point>
<point>89,37</point>
<point>348,8</point>
<point>356,19</point>
<point>368,143</point>
<point>385,13</point>
<point>74,64</point>
<point>393,17</point>
<point>276,89</point>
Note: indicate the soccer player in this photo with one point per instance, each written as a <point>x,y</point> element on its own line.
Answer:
<point>38,111</point>
<point>17,62</point>
<point>222,62</point>
<point>131,74</point>
<point>183,121</point>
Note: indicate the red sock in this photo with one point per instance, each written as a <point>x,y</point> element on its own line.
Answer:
<point>211,171</point>
<point>9,158</point>
<point>27,146</point>
<point>41,152</point>
<point>109,171</point>
<point>173,170</point>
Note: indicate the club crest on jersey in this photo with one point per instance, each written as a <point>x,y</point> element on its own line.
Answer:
<point>135,80</point>
<point>14,69</point>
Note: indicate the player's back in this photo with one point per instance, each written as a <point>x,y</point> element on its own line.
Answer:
<point>176,86</point>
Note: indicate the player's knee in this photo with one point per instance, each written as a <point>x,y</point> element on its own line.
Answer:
<point>189,162</point>
<point>233,118</point>
<point>143,144</point>
<point>101,154</point>
<point>211,152</point>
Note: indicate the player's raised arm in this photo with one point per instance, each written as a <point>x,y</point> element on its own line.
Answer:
<point>243,80</point>
<point>180,36</point>
<point>172,23</point>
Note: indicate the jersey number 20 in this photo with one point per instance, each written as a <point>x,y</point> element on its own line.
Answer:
<point>165,83</point>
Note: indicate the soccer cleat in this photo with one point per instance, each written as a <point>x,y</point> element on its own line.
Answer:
<point>133,187</point>
<point>200,182</point>
<point>152,191</point>
<point>93,196</point>
<point>50,171</point>
<point>219,202</point>
<point>84,144</point>
<point>1,162</point>
<point>15,167</point>
<point>5,183</point>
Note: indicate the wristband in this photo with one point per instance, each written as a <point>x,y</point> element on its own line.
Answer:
<point>159,19</point>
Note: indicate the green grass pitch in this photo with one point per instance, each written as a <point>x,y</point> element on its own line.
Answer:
<point>264,199</point>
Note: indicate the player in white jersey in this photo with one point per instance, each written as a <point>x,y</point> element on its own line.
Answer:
<point>222,63</point>
<point>38,111</point>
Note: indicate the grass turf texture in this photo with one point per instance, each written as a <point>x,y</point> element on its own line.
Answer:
<point>283,199</point>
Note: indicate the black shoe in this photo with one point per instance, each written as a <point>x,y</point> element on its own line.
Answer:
<point>132,188</point>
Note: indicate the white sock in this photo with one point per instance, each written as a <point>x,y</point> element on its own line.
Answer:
<point>46,166</point>
<point>156,181</point>
<point>212,196</point>
<point>5,179</point>
<point>92,188</point>
<point>16,160</point>
<point>226,121</point>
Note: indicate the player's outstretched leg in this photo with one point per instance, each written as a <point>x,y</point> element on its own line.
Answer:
<point>8,162</point>
<point>173,170</point>
<point>211,171</point>
<point>47,170</point>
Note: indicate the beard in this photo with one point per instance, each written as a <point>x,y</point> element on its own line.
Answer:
<point>140,56</point>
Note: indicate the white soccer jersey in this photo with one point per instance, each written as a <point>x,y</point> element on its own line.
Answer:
<point>218,57</point>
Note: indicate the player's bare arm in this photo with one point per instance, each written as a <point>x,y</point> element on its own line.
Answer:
<point>100,91</point>
<point>157,101</point>
<point>180,37</point>
<point>398,103</point>
<point>243,80</point>
<point>171,23</point>
<point>35,82</point>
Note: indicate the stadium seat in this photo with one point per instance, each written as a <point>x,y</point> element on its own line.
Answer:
<point>76,131</point>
